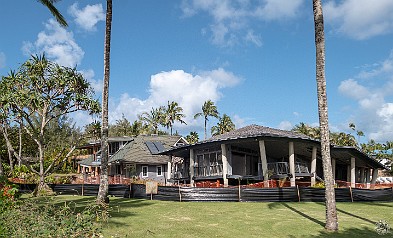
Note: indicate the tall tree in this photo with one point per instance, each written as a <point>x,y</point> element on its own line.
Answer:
<point>121,128</point>
<point>330,200</point>
<point>193,137</point>
<point>51,7</point>
<point>224,124</point>
<point>208,110</point>
<point>173,113</point>
<point>154,118</point>
<point>42,91</point>
<point>102,196</point>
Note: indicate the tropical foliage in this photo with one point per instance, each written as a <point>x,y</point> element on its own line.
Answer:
<point>224,124</point>
<point>193,137</point>
<point>208,110</point>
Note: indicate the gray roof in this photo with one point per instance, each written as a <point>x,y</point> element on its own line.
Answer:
<point>257,131</point>
<point>138,152</point>
<point>89,162</point>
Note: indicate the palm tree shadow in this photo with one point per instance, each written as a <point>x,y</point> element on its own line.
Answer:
<point>353,215</point>
<point>322,224</point>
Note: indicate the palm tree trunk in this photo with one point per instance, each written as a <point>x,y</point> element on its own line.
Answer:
<point>103,189</point>
<point>205,128</point>
<point>331,213</point>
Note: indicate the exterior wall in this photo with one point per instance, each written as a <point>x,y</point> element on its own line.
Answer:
<point>152,173</point>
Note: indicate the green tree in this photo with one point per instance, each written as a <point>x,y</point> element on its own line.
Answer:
<point>193,137</point>
<point>208,110</point>
<point>330,200</point>
<point>173,113</point>
<point>224,125</point>
<point>153,119</point>
<point>51,7</point>
<point>103,189</point>
<point>42,91</point>
<point>93,130</point>
<point>121,128</point>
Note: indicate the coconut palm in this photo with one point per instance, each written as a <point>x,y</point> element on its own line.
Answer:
<point>57,15</point>
<point>154,118</point>
<point>208,110</point>
<point>103,189</point>
<point>224,124</point>
<point>173,113</point>
<point>193,137</point>
<point>330,200</point>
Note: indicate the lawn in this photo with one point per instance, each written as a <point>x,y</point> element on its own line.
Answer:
<point>144,218</point>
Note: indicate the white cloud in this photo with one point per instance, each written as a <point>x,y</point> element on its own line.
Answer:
<point>88,17</point>
<point>58,45</point>
<point>230,19</point>
<point>285,125</point>
<point>97,85</point>
<point>2,60</point>
<point>360,19</point>
<point>190,91</point>
<point>373,90</point>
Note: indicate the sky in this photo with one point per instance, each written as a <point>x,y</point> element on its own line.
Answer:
<point>254,58</point>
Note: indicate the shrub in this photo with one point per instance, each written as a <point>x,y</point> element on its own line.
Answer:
<point>32,219</point>
<point>8,194</point>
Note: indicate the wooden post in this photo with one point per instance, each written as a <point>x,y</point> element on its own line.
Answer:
<point>179,193</point>
<point>265,174</point>
<point>313,165</point>
<point>292,164</point>
<point>368,178</point>
<point>298,193</point>
<point>83,183</point>
<point>374,178</point>
<point>350,191</point>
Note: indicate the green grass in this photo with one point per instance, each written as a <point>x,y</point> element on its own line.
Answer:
<point>144,218</point>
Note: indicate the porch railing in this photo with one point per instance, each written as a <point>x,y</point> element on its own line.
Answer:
<point>282,168</point>
<point>208,170</point>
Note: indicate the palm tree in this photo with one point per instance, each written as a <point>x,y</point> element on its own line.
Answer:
<point>330,200</point>
<point>193,137</point>
<point>154,118</point>
<point>208,110</point>
<point>50,5</point>
<point>173,113</point>
<point>302,128</point>
<point>224,124</point>
<point>103,189</point>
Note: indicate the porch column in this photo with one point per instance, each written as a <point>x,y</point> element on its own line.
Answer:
<point>349,173</point>
<point>169,170</point>
<point>368,178</point>
<point>191,167</point>
<point>313,164</point>
<point>224,164</point>
<point>353,172</point>
<point>292,164</point>
<point>374,179</point>
<point>334,169</point>
<point>361,175</point>
<point>265,174</point>
<point>79,168</point>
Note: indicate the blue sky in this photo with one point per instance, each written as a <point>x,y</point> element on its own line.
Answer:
<point>254,59</point>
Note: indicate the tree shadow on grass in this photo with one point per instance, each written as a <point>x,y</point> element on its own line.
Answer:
<point>353,215</point>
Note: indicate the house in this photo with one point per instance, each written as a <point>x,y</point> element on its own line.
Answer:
<point>89,161</point>
<point>256,153</point>
<point>140,158</point>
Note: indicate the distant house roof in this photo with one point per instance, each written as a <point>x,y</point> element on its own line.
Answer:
<point>110,139</point>
<point>144,149</point>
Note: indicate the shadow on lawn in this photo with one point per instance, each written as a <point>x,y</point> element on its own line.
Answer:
<point>352,215</point>
<point>352,232</point>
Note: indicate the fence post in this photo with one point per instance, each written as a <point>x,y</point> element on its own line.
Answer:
<point>179,193</point>
<point>239,194</point>
<point>350,191</point>
<point>129,195</point>
<point>298,193</point>
<point>82,187</point>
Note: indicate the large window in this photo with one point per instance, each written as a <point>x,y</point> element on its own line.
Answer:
<point>159,170</point>
<point>144,171</point>
<point>208,163</point>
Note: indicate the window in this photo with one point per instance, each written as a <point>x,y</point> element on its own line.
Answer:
<point>159,170</point>
<point>144,171</point>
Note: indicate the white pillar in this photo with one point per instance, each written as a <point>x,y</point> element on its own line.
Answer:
<point>334,169</point>
<point>292,163</point>
<point>353,172</point>
<point>313,164</point>
<point>192,167</point>
<point>224,164</point>
<point>169,172</point>
<point>374,179</point>
<point>368,178</point>
<point>262,151</point>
